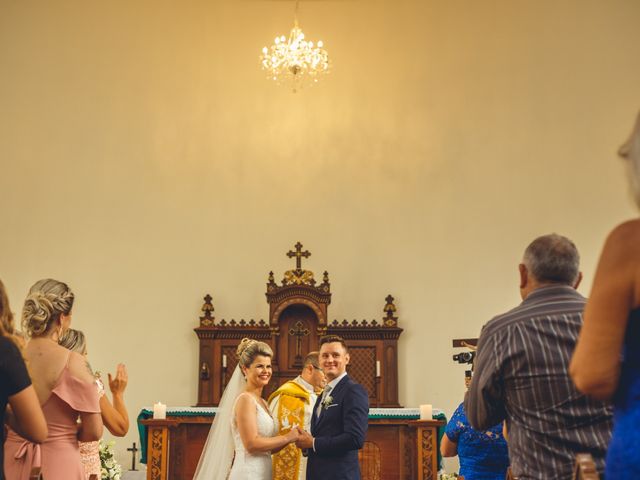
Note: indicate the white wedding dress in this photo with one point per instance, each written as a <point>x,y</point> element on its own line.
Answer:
<point>224,443</point>
<point>245,465</point>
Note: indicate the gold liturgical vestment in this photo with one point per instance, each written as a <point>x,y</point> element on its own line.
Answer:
<point>291,404</point>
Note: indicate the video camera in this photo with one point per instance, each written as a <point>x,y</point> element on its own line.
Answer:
<point>465,357</point>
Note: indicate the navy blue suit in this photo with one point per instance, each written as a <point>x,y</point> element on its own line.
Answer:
<point>339,433</point>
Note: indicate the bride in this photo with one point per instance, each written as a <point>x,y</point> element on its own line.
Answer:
<point>243,424</point>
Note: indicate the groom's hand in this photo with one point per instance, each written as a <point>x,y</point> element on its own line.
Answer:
<point>305,440</point>
<point>293,435</point>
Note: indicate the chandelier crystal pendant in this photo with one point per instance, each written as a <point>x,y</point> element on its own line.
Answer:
<point>295,61</point>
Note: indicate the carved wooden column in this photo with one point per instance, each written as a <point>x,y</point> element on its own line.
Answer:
<point>158,438</point>
<point>389,394</point>
<point>427,441</point>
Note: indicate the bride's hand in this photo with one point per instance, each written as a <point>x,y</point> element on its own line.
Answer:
<point>293,435</point>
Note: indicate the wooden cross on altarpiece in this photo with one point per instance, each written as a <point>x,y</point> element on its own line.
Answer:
<point>298,254</point>
<point>299,332</point>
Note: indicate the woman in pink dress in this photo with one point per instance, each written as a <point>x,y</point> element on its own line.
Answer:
<point>64,386</point>
<point>114,416</point>
<point>19,406</point>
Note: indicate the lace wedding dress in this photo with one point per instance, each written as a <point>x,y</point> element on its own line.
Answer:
<point>245,465</point>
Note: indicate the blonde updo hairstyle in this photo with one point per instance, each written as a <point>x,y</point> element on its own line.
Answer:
<point>249,349</point>
<point>46,301</point>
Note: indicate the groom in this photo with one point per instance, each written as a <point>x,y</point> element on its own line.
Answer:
<point>340,418</point>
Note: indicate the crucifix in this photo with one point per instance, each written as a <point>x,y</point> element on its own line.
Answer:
<point>299,332</point>
<point>298,254</point>
<point>133,451</point>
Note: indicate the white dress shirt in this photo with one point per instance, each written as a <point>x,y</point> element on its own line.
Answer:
<point>327,389</point>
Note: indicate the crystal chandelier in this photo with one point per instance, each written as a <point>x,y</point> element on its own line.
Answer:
<point>294,60</point>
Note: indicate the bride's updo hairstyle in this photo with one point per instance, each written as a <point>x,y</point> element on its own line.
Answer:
<point>249,349</point>
<point>47,300</point>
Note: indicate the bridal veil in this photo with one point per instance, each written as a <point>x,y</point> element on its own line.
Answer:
<point>217,454</point>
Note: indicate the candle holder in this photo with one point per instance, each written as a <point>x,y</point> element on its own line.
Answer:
<point>205,373</point>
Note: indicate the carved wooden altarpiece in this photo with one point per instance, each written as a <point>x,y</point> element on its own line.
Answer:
<point>297,319</point>
<point>395,448</point>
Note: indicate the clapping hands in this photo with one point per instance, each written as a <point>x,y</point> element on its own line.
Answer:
<point>119,383</point>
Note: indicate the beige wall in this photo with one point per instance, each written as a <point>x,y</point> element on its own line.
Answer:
<point>146,161</point>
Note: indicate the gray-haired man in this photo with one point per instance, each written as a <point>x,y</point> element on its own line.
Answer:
<point>521,370</point>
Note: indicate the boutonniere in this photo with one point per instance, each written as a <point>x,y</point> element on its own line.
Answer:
<point>327,402</point>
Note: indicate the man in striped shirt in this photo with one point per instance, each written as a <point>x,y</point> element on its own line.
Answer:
<point>521,370</point>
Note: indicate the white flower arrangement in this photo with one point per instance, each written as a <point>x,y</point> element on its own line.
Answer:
<point>447,476</point>
<point>109,468</point>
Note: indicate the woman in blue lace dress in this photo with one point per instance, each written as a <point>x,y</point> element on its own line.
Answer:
<point>606,362</point>
<point>482,455</point>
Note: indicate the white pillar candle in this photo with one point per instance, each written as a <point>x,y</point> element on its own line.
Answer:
<point>377,368</point>
<point>224,361</point>
<point>426,412</point>
<point>159,411</point>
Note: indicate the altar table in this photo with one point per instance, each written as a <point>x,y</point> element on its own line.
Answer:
<point>398,445</point>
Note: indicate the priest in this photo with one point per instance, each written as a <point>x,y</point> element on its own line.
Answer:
<point>292,405</point>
